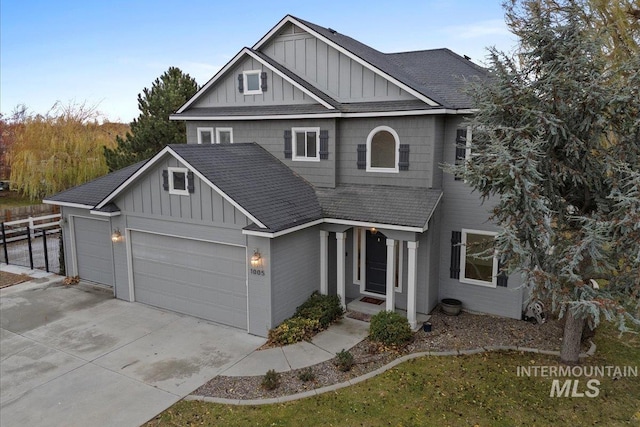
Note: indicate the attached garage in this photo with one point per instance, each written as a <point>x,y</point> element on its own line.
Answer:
<point>194,277</point>
<point>92,250</point>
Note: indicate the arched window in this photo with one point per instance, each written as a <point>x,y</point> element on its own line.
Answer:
<point>382,150</point>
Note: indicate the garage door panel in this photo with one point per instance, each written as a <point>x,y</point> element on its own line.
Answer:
<point>198,278</point>
<point>93,250</point>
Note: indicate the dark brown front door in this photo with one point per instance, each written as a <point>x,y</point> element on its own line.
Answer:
<point>376,276</point>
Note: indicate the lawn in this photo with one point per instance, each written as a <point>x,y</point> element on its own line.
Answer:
<point>12,199</point>
<point>482,389</point>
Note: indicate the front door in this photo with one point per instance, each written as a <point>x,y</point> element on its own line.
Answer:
<point>376,276</point>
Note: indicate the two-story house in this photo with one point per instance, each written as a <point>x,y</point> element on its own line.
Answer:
<point>312,163</point>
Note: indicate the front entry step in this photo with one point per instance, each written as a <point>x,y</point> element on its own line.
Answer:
<point>368,306</point>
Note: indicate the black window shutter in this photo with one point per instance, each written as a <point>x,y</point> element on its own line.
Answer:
<point>324,144</point>
<point>191,185</point>
<point>461,148</point>
<point>503,278</point>
<point>456,240</point>
<point>240,83</point>
<point>165,180</point>
<point>263,78</point>
<point>403,163</point>
<point>287,144</point>
<point>362,156</point>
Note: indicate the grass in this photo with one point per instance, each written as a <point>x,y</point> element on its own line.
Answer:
<point>482,389</point>
<point>13,199</point>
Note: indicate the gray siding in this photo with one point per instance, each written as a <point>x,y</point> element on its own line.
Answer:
<point>259,287</point>
<point>270,135</point>
<point>225,92</point>
<point>418,132</point>
<point>295,271</point>
<point>330,70</point>
<point>463,209</point>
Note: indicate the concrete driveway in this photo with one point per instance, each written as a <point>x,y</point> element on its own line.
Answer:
<point>74,356</point>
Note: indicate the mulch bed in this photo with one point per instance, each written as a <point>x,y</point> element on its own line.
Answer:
<point>464,332</point>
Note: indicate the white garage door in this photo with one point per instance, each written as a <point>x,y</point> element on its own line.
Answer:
<point>202,279</point>
<point>94,259</point>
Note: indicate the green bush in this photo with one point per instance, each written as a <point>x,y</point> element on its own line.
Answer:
<point>325,308</point>
<point>271,380</point>
<point>344,360</point>
<point>306,375</point>
<point>390,328</point>
<point>313,316</point>
<point>293,330</point>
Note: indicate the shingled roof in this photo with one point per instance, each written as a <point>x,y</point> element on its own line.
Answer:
<point>402,206</point>
<point>264,186</point>
<point>93,192</point>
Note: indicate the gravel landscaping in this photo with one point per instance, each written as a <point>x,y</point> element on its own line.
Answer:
<point>449,333</point>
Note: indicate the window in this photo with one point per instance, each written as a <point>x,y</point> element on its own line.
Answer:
<point>178,181</point>
<point>463,147</point>
<point>306,144</point>
<point>252,82</point>
<point>382,150</point>
<point>205,135</point>
<point>478,263</point>
<point>224,135</point>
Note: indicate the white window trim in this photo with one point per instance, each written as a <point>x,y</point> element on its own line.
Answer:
<point>218,130</point>
<point>200,130</point>
<point>245,82</point>
<point>173,190</point>
<point>370,168</point>
<point>463,255</point>
<point>294,153</point>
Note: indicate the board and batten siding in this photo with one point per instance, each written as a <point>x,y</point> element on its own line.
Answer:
<point>463,209</point>
<point>270,135</point>
<point>418,132</point>
<point>295,271</point>
<point>225,92</point>
<point>330,70</point>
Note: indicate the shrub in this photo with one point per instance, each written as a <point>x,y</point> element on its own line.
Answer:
<point>314,315</point>
<point>325,308</point>
<point>293,330</point>
<point>344,360</point>
<point>271,380</point>
<point>390,328</point>
<point>306,375</point>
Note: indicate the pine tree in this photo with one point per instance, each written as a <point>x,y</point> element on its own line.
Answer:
<point>153,130</point>
<point>556,147</point>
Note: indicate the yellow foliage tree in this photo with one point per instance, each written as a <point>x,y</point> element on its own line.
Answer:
<point>59,150</point>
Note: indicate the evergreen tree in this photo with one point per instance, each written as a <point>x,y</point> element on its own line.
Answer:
<point>153,130</point>
<point>556,146</point>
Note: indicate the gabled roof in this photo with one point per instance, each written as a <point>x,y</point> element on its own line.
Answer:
<point>93,192</point>
<point>257,181</point>
<point>285,74</point>
<point>260,186</point>
<point>401,206</point>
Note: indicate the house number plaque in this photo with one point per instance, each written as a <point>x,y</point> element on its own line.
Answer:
<point>256,272</point>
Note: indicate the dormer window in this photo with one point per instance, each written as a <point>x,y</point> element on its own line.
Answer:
<point>251,80</point>
<point>383,150</point>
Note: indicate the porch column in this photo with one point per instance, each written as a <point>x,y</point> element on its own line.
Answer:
<point>324,255</point>
<point>340,238</point>
<point>412,267</point>
<point>391,275</point>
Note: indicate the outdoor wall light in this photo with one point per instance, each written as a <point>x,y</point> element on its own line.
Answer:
<point>256,259</point>
<point>374,230</point>
<point>116,236</point>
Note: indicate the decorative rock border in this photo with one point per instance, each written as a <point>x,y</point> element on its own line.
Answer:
<point>380,370</point>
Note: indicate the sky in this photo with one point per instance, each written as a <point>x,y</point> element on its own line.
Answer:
<point>104,53</point>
